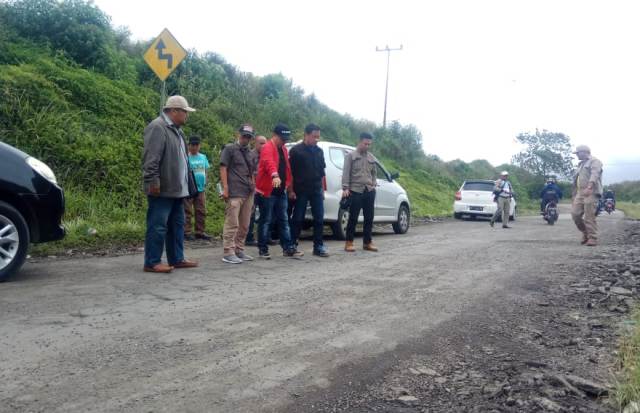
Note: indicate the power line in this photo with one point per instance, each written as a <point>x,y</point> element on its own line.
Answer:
<point>386,89</point>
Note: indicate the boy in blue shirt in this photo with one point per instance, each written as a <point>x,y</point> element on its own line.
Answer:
<point>199,165</point>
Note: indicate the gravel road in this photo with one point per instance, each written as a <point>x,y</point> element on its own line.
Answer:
<point>98,334</point>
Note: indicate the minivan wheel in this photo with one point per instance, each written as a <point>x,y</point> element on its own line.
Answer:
<point>404,217</point>
<point>339,228</point>
<point>14,240</point>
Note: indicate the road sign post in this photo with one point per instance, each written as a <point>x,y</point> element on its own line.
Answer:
<point>163,56</point>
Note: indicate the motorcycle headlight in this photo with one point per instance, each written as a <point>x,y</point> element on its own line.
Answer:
<point>42,168</point>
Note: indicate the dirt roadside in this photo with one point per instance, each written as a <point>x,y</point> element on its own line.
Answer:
<point>450,317</point>
<point>553,351</point>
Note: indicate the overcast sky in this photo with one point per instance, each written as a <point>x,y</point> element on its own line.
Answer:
<point>472,74</point>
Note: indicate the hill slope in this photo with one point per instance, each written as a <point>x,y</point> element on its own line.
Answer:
<point>78,95</point>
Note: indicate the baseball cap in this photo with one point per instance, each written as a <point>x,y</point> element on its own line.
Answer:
<point>504,173</point>
<point>246,130</point>
<point>178,102</point>
<point>282,131</point>
<point>194,140</point>
<point>582,148</point>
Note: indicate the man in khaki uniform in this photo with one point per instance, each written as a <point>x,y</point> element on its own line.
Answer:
<point>587,190</point>
<point>504,192</point>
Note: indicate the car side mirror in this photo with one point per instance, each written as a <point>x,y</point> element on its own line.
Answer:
<point>394,175</point>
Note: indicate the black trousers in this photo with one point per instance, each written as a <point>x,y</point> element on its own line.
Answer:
<point>366,202</point>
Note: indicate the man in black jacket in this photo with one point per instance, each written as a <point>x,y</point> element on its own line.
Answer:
<point>307,168</point>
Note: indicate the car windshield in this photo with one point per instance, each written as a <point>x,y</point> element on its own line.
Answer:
<point>478,186</point>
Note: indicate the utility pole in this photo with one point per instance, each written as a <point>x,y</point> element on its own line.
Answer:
<point>386,88</point>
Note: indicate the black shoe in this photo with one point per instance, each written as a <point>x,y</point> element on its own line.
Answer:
<point>506,226</point>
<point>189,237</point>
<point>491,223</point>
<point>264,255</point>
<point>203,236</point>
<point>293,253</point>
<point>321,252</point>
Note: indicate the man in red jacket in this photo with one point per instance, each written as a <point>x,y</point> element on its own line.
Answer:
<point>272,183</point>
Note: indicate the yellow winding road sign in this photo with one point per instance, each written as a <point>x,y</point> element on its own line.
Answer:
<point>164,54</point>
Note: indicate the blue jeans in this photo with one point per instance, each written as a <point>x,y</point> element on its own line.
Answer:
<point>273,208</point>
<point>316,199</point>
<point>165,225</point>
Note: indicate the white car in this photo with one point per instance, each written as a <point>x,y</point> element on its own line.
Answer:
<point>475,199</point>
<point>391,206</point>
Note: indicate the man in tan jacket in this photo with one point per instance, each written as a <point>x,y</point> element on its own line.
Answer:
<point>587,190</point>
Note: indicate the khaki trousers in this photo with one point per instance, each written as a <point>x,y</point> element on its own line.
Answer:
<point>237,215</point>
<point>583,212</point>
<point>504,206</point>
<point>200,213</point>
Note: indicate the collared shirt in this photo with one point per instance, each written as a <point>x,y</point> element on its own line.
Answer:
<point>359,172</point>
<point>503,188</point>
<point>589,171</point>
<point>240,169</point>
<point>307,168</point>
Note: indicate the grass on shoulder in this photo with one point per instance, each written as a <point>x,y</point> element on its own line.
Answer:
<point>628,387</point>
<point>631,209</point>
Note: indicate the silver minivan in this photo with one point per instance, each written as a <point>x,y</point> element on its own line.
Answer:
<point>392,203</point>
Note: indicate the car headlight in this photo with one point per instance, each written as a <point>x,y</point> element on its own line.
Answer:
<point>42,168</point>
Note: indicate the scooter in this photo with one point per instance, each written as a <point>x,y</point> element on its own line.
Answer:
<point>551,213</point>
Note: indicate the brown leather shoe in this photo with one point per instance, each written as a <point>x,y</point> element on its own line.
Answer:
<point>585,239</point>
<point>185,264</point>
<point>591,242</point>
<point>370,247</point>
<point>348,246</point>
<point>161,268</point>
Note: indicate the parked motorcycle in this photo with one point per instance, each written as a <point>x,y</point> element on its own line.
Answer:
<point>609,206</point>
<point>551,213</point>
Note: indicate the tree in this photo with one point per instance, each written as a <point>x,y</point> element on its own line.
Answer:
<point>546,154</point>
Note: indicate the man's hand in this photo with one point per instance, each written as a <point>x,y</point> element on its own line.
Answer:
<point>225,193</point>
<point>346,193</point>
<point>292,195</point>
<point>588,191</point>
<point>276,182</point>
<point>154,190</point>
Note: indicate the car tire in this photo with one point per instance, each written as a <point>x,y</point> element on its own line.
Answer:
<point>513,217</point>
<point>14,241</point>
<point>339,228</point>
<point>401,226</point>
<point>457,215</point>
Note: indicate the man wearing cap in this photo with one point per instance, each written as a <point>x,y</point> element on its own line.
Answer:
<point>272,183</point>
<point>359,180</point>
<point>237,168</point>
<point>587,190</point>
<point>503,191</point>
<point>307,168</point>
<point>199,164</point>
<point>166,183</point>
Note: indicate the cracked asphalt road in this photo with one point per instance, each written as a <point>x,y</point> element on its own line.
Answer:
<point>98,334</point>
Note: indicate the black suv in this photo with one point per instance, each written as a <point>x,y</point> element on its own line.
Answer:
<point>31,207</point>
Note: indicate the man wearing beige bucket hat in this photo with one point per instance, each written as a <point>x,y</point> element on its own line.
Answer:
<point>587,190</point>
<point>166,183</point>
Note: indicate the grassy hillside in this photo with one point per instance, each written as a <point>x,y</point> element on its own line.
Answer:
<point>78,95</point>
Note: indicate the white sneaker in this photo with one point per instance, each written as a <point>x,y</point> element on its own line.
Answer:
<point>231,259</point>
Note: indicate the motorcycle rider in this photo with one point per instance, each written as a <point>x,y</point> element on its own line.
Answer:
<point>609,195</point>
<point>550,192</point>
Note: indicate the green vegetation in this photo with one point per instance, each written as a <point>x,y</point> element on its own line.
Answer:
<point>626,191</point>
<point>631,209</point>
<point>628,386</point>
<point>77,94</point>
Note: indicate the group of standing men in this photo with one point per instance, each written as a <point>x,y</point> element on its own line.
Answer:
<point>267,177</point>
